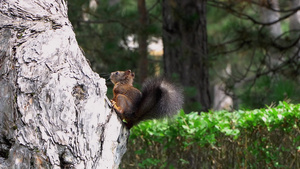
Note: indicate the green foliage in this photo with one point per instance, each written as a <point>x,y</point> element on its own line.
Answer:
<point>261,137</point>
<point>268,90</point>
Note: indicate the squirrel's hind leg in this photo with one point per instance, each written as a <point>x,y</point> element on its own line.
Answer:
<point>122,105</point>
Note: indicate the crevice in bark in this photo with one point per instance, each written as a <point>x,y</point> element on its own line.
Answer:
<point>56,25</point>
<point>5,146</point>
<point>67,159</point>
<point>80,93</point>
<point>102,129</point>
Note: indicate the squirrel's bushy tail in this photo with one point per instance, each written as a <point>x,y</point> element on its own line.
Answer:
<point>159,99</point>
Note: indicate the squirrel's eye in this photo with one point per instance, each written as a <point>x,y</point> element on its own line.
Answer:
<point>117,73</point>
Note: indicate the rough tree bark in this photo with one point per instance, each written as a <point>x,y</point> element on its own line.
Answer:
<point>53,108</point>
<point>185,47</point>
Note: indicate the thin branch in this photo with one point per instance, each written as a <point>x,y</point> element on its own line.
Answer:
<point>230,7</point>
<point>153,6</point>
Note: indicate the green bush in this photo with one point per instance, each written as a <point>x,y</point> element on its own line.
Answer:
<point>262,138</point>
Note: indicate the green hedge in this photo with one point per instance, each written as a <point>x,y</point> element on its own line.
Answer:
<point>264,138</point>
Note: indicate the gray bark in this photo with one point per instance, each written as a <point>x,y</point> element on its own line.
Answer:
<point>53,108</point>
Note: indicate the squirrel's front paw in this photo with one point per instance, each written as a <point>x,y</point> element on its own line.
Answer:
<point>113,102</point>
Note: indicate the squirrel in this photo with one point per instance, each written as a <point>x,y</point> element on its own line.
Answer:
<point>159,98</point>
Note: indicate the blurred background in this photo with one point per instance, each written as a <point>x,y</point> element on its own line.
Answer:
<point>226,54</point>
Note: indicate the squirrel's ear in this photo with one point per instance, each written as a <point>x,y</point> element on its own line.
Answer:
<point>128,71</point>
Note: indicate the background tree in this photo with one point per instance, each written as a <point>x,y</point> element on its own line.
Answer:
<point>185,48</point>
<point>142,40</point>
<point>53,108</point>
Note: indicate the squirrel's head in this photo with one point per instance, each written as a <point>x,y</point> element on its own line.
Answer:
<point>125,77</point>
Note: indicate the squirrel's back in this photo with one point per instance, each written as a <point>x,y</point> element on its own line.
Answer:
<point>160,98</point>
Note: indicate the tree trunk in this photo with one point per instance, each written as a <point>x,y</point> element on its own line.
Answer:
<point>53,108</point>
<point>185,47</point>
<point>268,16</point>
<point>294,35</point>
<point>221,100</point>
<point>142,40</point>
<point>295,19</point>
